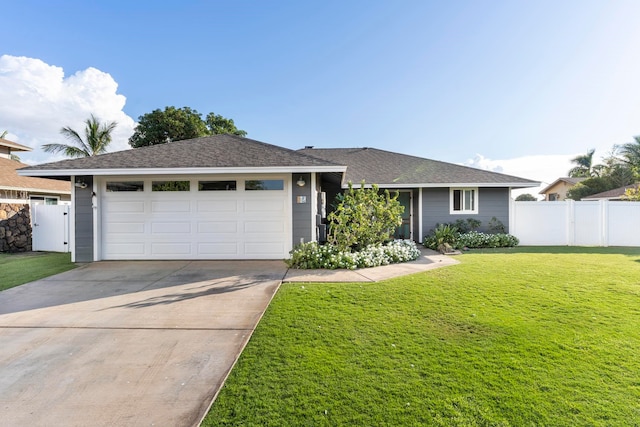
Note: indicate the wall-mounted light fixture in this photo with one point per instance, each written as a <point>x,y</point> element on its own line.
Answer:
<point>301,182</point>
<point>80,184</point>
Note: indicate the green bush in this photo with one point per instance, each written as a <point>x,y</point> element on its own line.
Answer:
<point>475,239</point>
<point>364,217</point>
<point>312,255</point>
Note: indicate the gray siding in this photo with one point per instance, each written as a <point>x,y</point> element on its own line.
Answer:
<point>83,206</point>
<point>302,220</point>
<point>491,202</point>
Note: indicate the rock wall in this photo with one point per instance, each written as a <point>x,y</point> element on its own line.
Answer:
<point>15,227</point>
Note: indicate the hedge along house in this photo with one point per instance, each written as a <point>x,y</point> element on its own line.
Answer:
<point>227,197</point>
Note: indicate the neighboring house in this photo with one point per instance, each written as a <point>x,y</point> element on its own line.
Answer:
<point>227,197</point>
<point>615,194</point>
<point>24,189</point>
<point>557,190</point>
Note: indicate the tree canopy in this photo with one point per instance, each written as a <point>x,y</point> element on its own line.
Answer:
<point>174,124</point>
<point>97,137</point>
<point>527,197</point>
<point>584,165</point>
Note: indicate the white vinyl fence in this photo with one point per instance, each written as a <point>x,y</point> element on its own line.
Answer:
<point>571,223</point>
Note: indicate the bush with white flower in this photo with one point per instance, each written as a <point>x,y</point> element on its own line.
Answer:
<point>313,255</point>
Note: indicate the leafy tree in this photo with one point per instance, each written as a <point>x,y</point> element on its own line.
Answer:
<point>364,217</point>
<point>97,137</point>
<point>526,198</point>
<point>584,165</point>
<point>590,186</point>
<point>632,194</point>
<point>174,124</point>
<point>220,125</point>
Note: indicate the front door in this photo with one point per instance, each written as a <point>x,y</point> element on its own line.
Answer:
<point>404,231</point>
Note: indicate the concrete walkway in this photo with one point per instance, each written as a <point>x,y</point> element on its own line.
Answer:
<point>427,261</point>
<point>127,343</point>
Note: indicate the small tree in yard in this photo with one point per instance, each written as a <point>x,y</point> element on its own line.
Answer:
<point>364,217</point>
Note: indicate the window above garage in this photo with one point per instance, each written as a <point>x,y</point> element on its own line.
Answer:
<point>216,185</point>
<point>264,184</point>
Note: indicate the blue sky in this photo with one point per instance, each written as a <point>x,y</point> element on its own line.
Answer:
<point>513,86</point>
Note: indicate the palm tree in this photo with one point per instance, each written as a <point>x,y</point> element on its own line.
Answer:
<point>630,153</point>
<point>97,139</point>
<point>584,166</point>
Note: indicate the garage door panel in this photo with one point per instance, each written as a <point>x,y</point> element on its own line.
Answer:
<point>218,227</point>
<point>264,206</point>
<point>171,248</point>
<point>124,227</point>
<point>170,206</point>
<point>218,248</point>
<point>124,249</point>
<point>217,206</point>
<point>263,248</point>
<point>259,227</point>
<point>125,207</point>
<point>170,227</point>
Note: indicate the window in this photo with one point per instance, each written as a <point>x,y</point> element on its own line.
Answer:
<point>216,185</point>
<point>264,184</point>
<point>464,200</point>
<point>170,186</point>
<point>114,186</point>
<point>43,200</point>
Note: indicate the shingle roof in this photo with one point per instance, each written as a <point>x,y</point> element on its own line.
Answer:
<point>569,180</point>
<point>218,151</point>
<point>616,193</point>
<point>14,146</point>
<point>10,180</point>
<point>386,168</point>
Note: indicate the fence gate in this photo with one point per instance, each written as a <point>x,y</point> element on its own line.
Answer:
<point>50,228</point>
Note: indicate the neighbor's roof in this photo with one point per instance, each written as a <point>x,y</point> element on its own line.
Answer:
<point>569,180</point>
<point>10,180</point>
<point>614,194</point>
<point>388,169</point>
<point>14,146</point>
<point>215,153</point>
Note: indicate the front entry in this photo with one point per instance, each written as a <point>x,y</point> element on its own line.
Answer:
<point>404,231</point>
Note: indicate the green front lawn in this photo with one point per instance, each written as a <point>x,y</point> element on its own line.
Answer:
<point>512,337</point>
<point>17,269</point>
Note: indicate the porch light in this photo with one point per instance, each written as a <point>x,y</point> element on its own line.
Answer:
<point>301,182</point>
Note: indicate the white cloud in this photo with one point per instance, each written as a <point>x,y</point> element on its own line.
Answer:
<point>543,168</point>
<point>38,100</point>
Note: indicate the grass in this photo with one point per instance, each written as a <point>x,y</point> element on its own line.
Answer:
<point>17,269</point>
<point>514,337</point>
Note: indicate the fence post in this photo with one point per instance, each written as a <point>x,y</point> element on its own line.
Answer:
<point>604,220</point>
<point>570,213</point>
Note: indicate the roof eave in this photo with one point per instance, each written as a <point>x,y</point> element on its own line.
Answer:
<point>179,171</point>
<point>34,190</point>
<point>452,184</point>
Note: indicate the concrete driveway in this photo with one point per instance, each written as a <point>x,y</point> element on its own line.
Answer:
<point>127,343</point>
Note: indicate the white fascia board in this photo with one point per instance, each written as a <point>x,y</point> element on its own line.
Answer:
<point>182,171</point>
<point>456,184</point>
<point>34,190</point>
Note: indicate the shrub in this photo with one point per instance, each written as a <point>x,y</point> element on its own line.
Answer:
<point>443,238</point>
<point>475,239</point>
<point>312,255</point>
<point>496,226</point>
<point>364,217</point>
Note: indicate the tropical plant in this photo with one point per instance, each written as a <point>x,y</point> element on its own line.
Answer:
<point>632,194</point>
<point>364,217</point>
<point>97,137</point>
<point>584,165</point>
<point>630,153</point>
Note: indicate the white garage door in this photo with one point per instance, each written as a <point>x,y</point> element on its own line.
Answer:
<point>214,218</point>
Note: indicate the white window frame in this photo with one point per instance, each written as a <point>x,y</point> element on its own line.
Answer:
<point>465,209</point>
